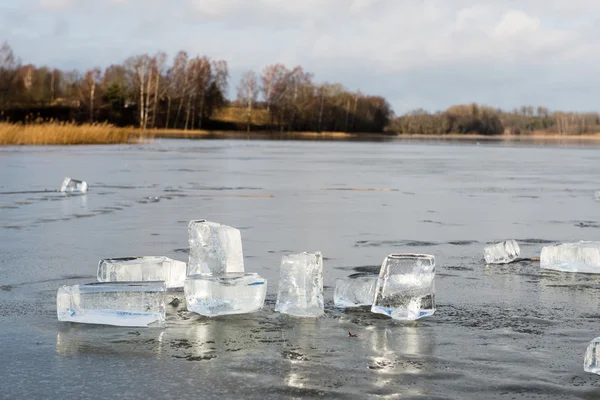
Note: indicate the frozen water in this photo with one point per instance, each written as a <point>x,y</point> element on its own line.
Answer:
<point>73,186</point>
<point>572,257</point>
<point>301,285</point>
<point>502,253</point>
<point>354,291</point>
<point>148,268</point>
<point>230,293</point>
<point>139,304</point>
<point>597,195</point>
<point>591,362</point>
<point>214,248</point>
<point>405,288</point>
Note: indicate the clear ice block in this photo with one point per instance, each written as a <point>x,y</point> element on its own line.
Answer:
<point>597,195</point>
<point>502,253</point>
<point>355,291</point>
<point>405,288</point>
<point>572,257</point>
<point>230,293</point>
<point>301,285</point>
<point>147,268</point>
<point>214,248</point>
<point>140,304</point>
<point>73,186</point>
<point>591,362</point>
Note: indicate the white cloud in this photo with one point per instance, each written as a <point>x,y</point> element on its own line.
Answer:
<point>54,4</point>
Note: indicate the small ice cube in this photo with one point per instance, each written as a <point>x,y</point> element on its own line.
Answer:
<point>139,304</point>
<point>591,362</point>
<point>572,257</point>
<point>214,248</point>
<point>301,285</point>
<point>148,268</point>
<point>502,253</point>
<point>597,195</point>
<point>354,291</point>
<point>73,186</point>
<point>405,288</point>
<point>230,293</point>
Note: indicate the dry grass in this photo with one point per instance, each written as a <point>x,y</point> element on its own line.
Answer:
<point>62,133</point>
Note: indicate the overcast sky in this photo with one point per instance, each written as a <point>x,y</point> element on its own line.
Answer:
<point>417,53</point>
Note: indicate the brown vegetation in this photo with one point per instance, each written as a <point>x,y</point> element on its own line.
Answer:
<point>62,133</point>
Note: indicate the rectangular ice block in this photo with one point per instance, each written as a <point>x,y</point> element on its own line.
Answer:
<point>231,293</point>
<point>572,257</point>
<point>301,285</point>
<point>502,253</point>
<point>591,362</point>
<point>214,248</point>
<point>354,291</point>
<point>73,186</point>
<point>405,288</point>
<point>140,304</point>
<point>147,268</point>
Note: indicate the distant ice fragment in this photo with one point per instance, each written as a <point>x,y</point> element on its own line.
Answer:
<point>572,257</point>
<point>140,304</point>
<point>230,293</point>
<point>355,291</point>
<point>73,186</point>
<point>597,195</point>
<point>214,248</point>
<point>591,362</point>
<point>405,288</point>
<point>502,253</point>
<point>147,268</point>
<point>300,291</point>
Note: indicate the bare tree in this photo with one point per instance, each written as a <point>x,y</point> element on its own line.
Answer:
<point>247,93</point>
<point>90,81</point>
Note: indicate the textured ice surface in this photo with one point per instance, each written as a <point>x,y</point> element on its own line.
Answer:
<point>231,293</point>
<point>572,257</point>
<point>73,186</point>
<point>148,268</point>
<point>591,362</point>
<point>502,253</point>
<point>214,248</point>
<point>301,285</point>
<point>354,291</point>
<point>405,288</point>
<point>139,304</point>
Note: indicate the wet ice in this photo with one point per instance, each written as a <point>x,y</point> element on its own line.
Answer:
<point>300,291</point>
<point>147,268</point>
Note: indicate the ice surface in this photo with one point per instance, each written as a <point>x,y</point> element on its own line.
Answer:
<point>301,285</point>
<point>214,248</point>
<point>572,257</point>
<point>139,304</point>
<point>591,362</point>
<point>230,293</point>
<point>405,288</point>
<point>502,253</point>
<point>73,186</point>
<point>148,268</point>
<point>354,291</point>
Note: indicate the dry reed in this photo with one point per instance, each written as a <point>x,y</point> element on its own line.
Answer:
<point>63,133</point>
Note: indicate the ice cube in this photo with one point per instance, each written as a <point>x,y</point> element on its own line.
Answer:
<point>502,253</point>
<point>139,304</point>
<point>230,293</point>
<point>597,195</point>
<point>147,268</point>
<point>591,362</point>
<point>214,248</point>
<point>405,288</point>
<point>301,285</point>
<point>355,291</point>
<point>572,257</point>
<point>73,186</point>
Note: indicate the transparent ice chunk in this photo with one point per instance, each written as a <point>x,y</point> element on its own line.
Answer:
<point>354,291</point>
<point>405,288</point>
<point>591,362</point>
<point>139,304</point>
<point>147,268</point>
<point>572,257</point>
<point>73,186</point>
<point>597,195</point>
<point>230,293</point>
<point>214,248</point>
<point>502,253</point>
<point>300,290</point>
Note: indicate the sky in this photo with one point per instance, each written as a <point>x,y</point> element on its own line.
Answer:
<point>428,54</point>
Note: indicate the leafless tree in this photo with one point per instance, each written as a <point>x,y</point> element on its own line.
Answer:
<point>247,93</point>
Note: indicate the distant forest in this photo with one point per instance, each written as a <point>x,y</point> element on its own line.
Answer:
<point>190,93</point>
